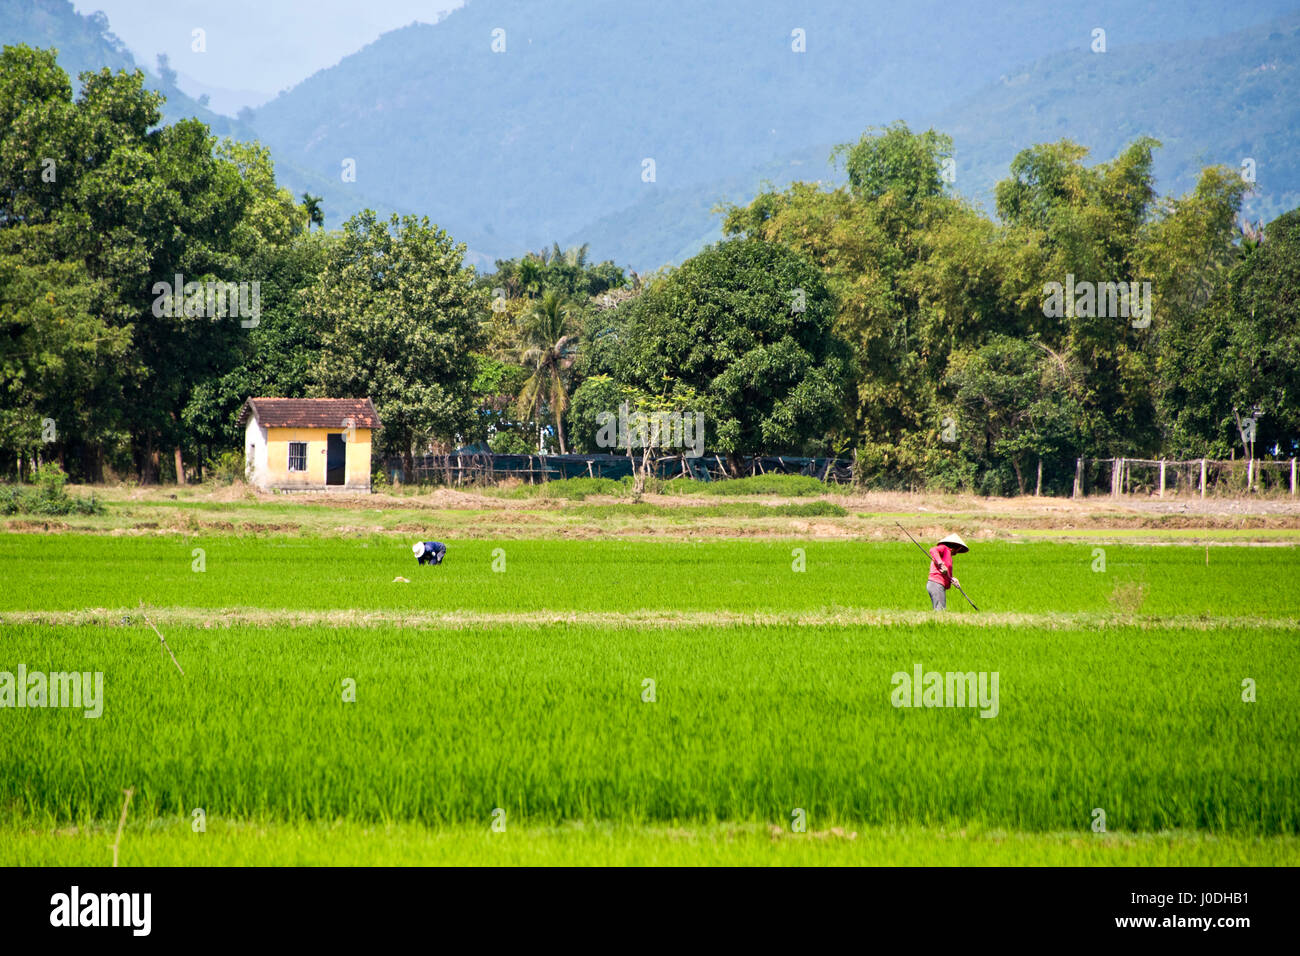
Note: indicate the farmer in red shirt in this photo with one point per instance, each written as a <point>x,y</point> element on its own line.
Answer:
<point>941,576</point>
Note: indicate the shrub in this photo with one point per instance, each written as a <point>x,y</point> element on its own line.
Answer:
<point>50,478</point>
<point>951,474</point>
<point>573,489</point>
<point>226,468</point>
<point>48,498</point>
<point>795,486</point>
<point>506,442</point>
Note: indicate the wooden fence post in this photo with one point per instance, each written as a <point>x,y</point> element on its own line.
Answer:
<point>1292,477</point>
<point>1117,465</point>
<point>1038,488</point>
<point>1202,477</point>
<point>1162,477</point>
<point>1250,473</point>
<point>1078,478</point>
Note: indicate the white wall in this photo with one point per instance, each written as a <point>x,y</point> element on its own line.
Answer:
<point>255,439</point>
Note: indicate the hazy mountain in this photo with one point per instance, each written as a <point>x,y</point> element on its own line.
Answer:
<point>1219,100</point>
<point>221,99</point>
<point>549,139</point>
<point>85,42</point>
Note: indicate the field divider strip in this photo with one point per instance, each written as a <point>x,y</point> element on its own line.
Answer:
<point>208,618</point>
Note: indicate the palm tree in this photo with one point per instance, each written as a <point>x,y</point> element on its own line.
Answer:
<point>546,348</point>
<point>314,216</point>
<point>531,273</point>
<point>576,256</point>
<point>1252,237</point>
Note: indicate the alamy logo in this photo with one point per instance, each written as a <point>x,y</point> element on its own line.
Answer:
<point>59,689</point>
<point>655,430</point>
<point>950,689</point>
<point>102,909</point>
<point>1103,300</point>
<point>211,300</point>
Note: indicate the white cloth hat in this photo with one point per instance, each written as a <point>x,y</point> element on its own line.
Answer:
<point>955,542</point>
<point>417,549</point>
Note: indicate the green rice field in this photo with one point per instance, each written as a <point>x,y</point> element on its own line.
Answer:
<point>644,701</point>
<point>74,571</point>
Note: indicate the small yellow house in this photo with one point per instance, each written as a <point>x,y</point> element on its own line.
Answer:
<point>308,444</point>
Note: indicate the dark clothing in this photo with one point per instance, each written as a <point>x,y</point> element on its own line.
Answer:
<point>434,552</point>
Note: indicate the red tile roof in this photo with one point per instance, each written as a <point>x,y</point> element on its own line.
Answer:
<point>311,412</point>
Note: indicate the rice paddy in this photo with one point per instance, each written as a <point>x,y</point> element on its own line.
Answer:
<point>650,701</point>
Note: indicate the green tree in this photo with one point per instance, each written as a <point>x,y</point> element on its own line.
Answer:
<point>59,362</point>
<point>1188,249</point>
<point>567,271</point>
<point>496,383</point>
<point>399,313</point>
<point>271,216</point>
<point>1240,353</point>
<point>1015,405</point>
<point>134,205</point>
<point>1264,357</point>
<point>179,212</point>
<point>38,137</point>
<point>311,204</point>
<point>275,357</point>
<point>913,273</point>
<point>1064,219</point>
<point>548,342</point>
<point>894,161</point>
<point>597,396</point>
<point>748,325</point>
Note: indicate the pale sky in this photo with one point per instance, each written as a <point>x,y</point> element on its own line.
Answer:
<point>256,46</point>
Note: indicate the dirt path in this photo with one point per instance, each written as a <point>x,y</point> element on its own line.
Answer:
<point>238,510</point>
<point>208,618</point>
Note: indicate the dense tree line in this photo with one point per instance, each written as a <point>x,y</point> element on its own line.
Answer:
<point>153,278</point>
<point>973,361</point>
<point>885,319</point>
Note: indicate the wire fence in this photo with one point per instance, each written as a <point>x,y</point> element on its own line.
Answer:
<point>1115,477</point>
<point>1197,477</point>
<point>487,468</point>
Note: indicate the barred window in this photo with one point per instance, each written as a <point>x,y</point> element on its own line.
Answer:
<point>297,456</point>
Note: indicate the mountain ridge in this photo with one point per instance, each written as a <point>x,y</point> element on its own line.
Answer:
<point>548,140</point>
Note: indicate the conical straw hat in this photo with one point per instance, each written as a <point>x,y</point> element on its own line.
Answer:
<point>955,542</point>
